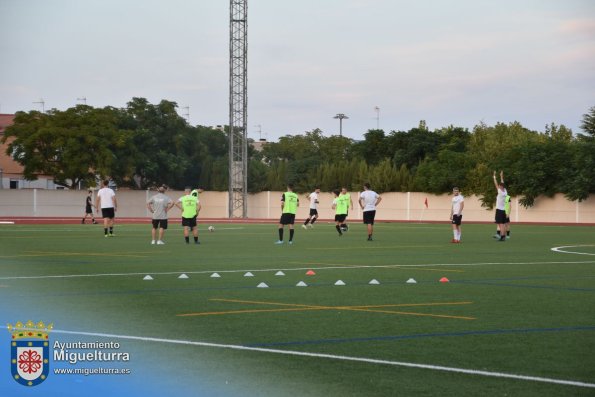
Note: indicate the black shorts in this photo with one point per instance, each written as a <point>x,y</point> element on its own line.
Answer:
<point>313,212</point>
<point>340,217</point>
<point>507,219</point>
<point>369,217</point>
<point>109,213</point>
<point>500,217</point>
<point>456,219</point>
<point>88,210</point>
<point>287,219</point>
<point>159,223</point>
<point>189,222</point>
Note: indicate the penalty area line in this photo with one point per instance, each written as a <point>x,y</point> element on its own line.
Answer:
<point>336,357</point>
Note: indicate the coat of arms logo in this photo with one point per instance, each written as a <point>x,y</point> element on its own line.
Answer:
<point>29,352</point>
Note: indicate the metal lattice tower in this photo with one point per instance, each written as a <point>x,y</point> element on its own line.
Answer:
<point>238,108</point>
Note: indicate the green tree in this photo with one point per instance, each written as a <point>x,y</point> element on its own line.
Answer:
<point>160,136</point>
<point>588,122</point>
<point>578,176</point>
<point>73,146</point>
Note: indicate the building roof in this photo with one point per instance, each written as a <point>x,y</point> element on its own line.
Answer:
<point>8,165</point>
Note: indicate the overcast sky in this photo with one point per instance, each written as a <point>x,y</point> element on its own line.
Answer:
<point>454,62</point>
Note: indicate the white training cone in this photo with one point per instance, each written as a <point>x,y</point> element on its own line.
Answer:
<point>215,275</point>
<point>262,285</point>
<point>339,282</point>
<point>411,281</point>
<point>279,273</point>
<point>183,275</point>
<point>374,282</point>
<point>248,274</point>
<point>301,284</point>
<point>147,277</point>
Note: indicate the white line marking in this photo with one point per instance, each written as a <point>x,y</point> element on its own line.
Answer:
<point>559,249</point>
<point>336,357</point>
<point>287,269</point>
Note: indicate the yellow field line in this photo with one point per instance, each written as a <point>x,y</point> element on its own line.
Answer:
<point>36,253</point>
<point>409,313</point>
<point>374,247</point>
<point>414,304</point>
<point>400,267</point>
<point>301,307</point>
<point>249,311</point>
<point>270,303</point>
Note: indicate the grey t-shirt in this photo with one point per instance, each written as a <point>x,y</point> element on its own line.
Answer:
<point>160,202</point>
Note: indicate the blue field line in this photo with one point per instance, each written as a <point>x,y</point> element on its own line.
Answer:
<point>496,284</point>
<point>418,336</point>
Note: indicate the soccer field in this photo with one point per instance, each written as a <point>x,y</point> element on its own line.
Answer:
<point>515,318</point>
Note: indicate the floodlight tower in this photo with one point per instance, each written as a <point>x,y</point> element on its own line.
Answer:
<point>238,109</point>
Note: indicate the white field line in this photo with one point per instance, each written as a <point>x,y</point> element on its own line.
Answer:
<point>336,357</point>
<point>563,251</point>
<point>337,267</point>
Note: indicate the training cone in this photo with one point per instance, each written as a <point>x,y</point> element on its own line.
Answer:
<point>444,280</point>
<point>301,284</point>
<point>411,281</point>
<point>279,273</point>
<point>339,282</point>
<point>249,274</point>
<point>147,277</point>
<point>183,275</point>
<point>215,275</point>
<point>374,282</point>
<point>310,273</point>
<point>262,285</point>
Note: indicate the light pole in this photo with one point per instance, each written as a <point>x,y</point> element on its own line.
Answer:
<point>377,109</point>
<point>340,116</point>
<point>42,103</point>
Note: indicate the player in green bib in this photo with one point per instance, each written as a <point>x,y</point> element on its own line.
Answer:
<point>190,206</point>
<point>343,205</point>
<point>289,205</point>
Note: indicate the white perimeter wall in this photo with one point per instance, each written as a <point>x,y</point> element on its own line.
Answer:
<point>267,205</point>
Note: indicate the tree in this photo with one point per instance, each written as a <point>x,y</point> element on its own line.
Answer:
<point>588,122</point>
<point>72,146</point>
<point>578,176</point>
<point>160,137</point>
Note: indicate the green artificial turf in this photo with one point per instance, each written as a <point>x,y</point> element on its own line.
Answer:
<point>513,307</point>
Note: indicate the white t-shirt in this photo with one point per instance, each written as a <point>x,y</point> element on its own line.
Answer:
<point>313,200</point>
<point>501,199</point>
<point>106,196</point>
<point>456,204</point>
<point>370,198</point>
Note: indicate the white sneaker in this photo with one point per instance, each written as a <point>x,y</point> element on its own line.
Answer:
<point>160,242</point>
<point>310,225</point>
<point>152,242</point>
<point>304,226</point>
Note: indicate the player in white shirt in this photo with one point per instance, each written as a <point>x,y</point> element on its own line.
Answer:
<point>313,197</point>
<point>106,200</point>
<point>368,200</point>
<point>456,214</point>
<point>501,205</point>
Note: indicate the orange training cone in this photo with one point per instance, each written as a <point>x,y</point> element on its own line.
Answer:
<point>310,273</point>
<point>444,280</point>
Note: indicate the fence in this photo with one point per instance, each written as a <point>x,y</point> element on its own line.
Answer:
<point>266,205</point>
